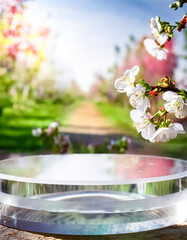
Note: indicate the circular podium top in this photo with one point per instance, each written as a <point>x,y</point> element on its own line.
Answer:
<point>92,169</point>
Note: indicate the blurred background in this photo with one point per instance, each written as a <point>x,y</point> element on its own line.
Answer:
<point>58,63</point>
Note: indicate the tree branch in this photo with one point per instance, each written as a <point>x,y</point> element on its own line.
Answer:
<point>165,89</point>
<point>182,2</point>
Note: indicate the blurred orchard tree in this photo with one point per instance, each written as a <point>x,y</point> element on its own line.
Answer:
<point>22,55</point>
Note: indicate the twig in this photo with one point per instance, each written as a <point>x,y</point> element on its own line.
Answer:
<point>165,89</point>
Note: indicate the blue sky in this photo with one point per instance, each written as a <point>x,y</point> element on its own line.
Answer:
<point>88,30</point>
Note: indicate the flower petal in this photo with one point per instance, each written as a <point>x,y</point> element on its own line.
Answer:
<point>155,27</point>
<point>135,70</point>
<point>154,49</point>
<point>178,128</point>
<point>150,46</point>
<point>138,116</point>
<point>127,73</point>
<point>169,95</point>
<point>161,54</point>
<point>140,87</point>
<point>171,134</point>
<point>180,114</point>
<point>170,106</point>
<point>148,131</point>
<point>120,84</point>
<point>144,104</point>
<point>162,38</point>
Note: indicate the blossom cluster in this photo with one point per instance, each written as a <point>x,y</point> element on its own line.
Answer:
<point>156,128</point>
<point>21,41</point>
<point>13,5</point>
<point>118,146</point>
<point>162,32</point>
<point>53,139</point>
<point>156,46</point>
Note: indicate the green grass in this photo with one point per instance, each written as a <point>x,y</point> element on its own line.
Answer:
<point>176,148</point>
<point>119,116</point>
<point>16,124</point>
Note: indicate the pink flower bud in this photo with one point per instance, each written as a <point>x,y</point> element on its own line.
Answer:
<point>182,23</point>
<point>154,92</point>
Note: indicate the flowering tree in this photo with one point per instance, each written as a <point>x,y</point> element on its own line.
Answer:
<point>22,50</point>
<point>158,127</point>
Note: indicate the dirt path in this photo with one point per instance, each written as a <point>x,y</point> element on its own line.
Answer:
<point>87,119</point>
<point>88,124</point>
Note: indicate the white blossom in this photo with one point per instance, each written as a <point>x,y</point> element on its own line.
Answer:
<point>143,124</point>
<point>138,99</point>
<point>113,142</point>
<point>126,81</point>
<point>155,27</point>
<point>175,104</point>
<point>5,5</point>
<point>37,132</point>
<point>154,49</point>
<point>124,139</point>
<point>164,134</point>
<point>54,125</point>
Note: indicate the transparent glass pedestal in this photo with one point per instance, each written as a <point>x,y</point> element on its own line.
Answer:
<point>92,194</point>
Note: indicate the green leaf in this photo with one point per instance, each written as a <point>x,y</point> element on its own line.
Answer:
<point>147,86</point>
<point>183,94</point>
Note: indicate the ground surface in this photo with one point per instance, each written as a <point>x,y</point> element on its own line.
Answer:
<point>177,232</point>
<point>16,124</point>
<point>88,119</point>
